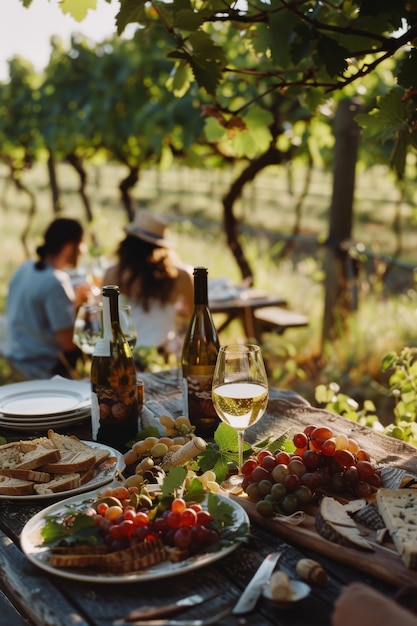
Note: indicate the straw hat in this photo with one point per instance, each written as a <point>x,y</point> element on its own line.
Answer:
<point>149,227</point>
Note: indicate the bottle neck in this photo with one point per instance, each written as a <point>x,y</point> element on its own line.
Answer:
<point>110,310</point>
<point>200,286</point>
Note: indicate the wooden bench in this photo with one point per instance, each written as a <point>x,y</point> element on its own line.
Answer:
<point>277,319</point>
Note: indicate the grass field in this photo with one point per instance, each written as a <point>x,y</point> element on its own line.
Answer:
<point>192,201</point>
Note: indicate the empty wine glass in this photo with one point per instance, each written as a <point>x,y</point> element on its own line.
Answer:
<point>87,327</point>
<point>127,324</point>
<point>240,392</point>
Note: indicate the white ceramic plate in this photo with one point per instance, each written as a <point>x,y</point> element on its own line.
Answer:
<point>36,426</point>
<point>102,477</point>
<point>39,556</point>
<point>43,397</point>
<point>35,422</point>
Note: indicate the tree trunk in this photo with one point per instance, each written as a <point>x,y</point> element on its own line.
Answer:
<point>125,186</point>
<point>16,176</point>
<point>78,165</point>
<point>341,274</point>
<point>271,157</point>
<point>53,183</point>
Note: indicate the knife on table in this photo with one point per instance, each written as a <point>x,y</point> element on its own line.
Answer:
<point>250,596</point>
<point>212,619</point>
<point>151,612</point>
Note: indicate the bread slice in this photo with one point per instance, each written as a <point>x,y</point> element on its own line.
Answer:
<point>71,462</point>
<point>9,454</point>
<point>15,486</point>
<point>60,482</point>
<point>37,458</point>
<point>71,442</point>
<point>26,474</point>
<point>86,476</point>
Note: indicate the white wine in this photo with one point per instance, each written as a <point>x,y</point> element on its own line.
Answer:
<point>240,404</point>
<point>114,410</point>
<point>198,360</point>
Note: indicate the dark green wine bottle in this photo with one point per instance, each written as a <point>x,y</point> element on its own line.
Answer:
<point>114,406</point>
<point>199,355</point>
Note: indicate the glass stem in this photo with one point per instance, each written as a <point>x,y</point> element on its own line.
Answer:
<point>240,440</point>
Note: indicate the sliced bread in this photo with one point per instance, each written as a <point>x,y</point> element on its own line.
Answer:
<point>71,462</point>
<point>15,486</point>
<point>71,442</point>
<point>38,457</point>
<point>26,474</point>
<point>60,482</point>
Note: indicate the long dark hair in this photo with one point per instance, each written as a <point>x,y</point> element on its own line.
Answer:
<point>61,231</point>
<point>151,265</point>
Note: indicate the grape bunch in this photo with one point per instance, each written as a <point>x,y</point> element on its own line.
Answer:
<point>148,452</point>
<point>185,528</point>
<point>322,462</point>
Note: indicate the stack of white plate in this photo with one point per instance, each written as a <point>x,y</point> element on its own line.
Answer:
<point>43,404</point>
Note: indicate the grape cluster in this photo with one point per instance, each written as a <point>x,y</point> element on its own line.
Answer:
<point>322,462</point>
<point>187,529</point>
<point>148,452</point>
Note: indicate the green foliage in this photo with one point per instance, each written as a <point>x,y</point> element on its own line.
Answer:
<point>402,387</point>
<point>223,454</point>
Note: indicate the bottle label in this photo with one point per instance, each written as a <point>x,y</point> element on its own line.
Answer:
<point>102,347</point>
<point>197,392</point>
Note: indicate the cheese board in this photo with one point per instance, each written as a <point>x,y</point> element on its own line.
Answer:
<point>383,561</point>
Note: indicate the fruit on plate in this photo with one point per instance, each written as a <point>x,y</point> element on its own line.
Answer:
<point>123,530</point>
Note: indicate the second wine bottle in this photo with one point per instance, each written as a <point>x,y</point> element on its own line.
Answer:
<point>199,355</point>
<point>114,407</point>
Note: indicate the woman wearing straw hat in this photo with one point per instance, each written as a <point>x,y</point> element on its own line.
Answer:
<point>152,280</point>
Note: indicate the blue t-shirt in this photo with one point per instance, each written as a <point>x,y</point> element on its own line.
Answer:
<point>39,303</point>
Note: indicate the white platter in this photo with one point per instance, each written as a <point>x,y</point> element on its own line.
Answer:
<point>38,555</point>
<point>102,477</point>
<point>43,397</point>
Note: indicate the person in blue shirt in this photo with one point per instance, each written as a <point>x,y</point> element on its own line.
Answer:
<point>42,303</point>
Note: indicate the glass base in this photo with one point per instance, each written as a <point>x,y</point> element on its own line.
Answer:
<point>233,484</point>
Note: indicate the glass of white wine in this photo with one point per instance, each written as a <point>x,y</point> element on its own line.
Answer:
<point>87,327</point>
<point>240,391</point>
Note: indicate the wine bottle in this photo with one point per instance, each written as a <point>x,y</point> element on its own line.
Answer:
<point>198,359</point>
<point>114,406</point>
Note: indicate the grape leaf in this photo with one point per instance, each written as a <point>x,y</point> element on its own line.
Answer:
<point>173,481</point>
<point>81,530</point>
<point>220,510</point>
<point>78,9</point>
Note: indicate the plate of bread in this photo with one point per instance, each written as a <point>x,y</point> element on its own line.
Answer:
<point>55,466</point>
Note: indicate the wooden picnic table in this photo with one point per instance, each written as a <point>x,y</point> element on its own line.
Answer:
<point>242,304</point>
<point>48,600</point>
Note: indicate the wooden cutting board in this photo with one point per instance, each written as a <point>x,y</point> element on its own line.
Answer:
<point>384,563</point>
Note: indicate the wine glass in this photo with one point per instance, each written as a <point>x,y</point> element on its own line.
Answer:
<point>87,327</point>
<point>240,392</point>
<point>127,324</point>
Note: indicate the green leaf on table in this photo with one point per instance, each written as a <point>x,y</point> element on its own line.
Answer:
<point>220,510</point>
<point>173,481</point>
<point>195,491</point>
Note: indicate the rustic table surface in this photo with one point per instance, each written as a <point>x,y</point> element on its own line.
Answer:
<point>46,600</point>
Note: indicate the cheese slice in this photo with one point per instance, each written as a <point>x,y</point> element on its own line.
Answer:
<point>398,509</point>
